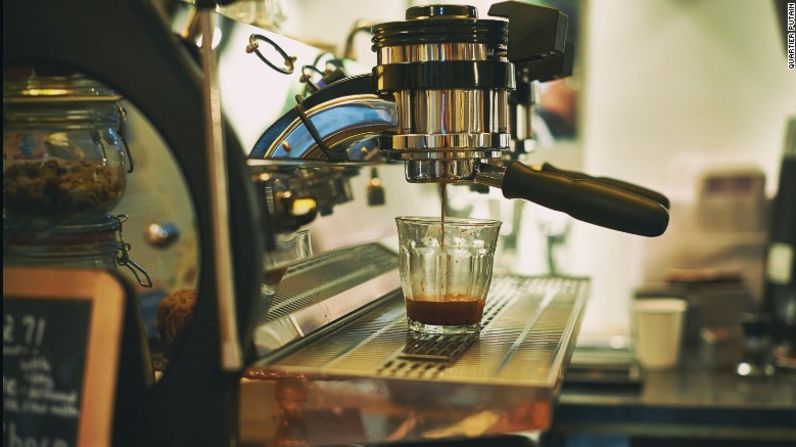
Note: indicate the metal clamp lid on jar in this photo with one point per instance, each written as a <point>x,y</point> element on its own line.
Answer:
<point>450,78</point>
<point>25,86</point>
<point>102,238</point>
<point>87,100</point>
<point>71,99</point>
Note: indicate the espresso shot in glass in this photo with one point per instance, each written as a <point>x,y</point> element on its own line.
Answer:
<point>446,270</point>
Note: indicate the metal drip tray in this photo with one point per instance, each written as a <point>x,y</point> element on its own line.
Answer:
<point>366,379</point>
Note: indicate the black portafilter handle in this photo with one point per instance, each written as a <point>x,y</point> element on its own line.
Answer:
<point>640,190</point>
<point>589,200</point>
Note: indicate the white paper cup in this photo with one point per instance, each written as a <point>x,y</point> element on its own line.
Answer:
<point>658,327</point>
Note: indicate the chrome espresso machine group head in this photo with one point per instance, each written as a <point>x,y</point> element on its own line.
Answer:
<point>449,75</point>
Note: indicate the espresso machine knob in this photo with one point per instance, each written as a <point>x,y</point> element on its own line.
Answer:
<point>376,196</point>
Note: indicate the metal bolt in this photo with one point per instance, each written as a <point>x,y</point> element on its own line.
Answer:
<point>162,235</point>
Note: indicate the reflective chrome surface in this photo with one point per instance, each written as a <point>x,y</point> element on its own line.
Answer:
<point>522,123</point>
<point>487,144</point>
<point>434,171</point>
<point>296,194</point>
<point>321,290</point>
<point>216,156</point>
<point>452,110</point>
<point>344,124</point>
<point>403,388</point>
<point>294,168</point>
<point>436,52</point>
<point>162,234</point>
<point>489,175</point>
<point>523,112</point>
<point>445,132</point>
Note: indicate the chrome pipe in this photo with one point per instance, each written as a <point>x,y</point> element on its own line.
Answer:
<point>216,157</point>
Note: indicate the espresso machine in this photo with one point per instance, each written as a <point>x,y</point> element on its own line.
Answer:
<point>440,102</point>
<point>323,356</point>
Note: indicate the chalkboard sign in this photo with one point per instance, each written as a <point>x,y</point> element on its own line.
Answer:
<point>61,335</point>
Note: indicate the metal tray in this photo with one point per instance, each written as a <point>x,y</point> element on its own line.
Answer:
<point>364,378</point>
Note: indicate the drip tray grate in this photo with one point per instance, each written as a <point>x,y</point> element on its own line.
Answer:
<point>426,355</point>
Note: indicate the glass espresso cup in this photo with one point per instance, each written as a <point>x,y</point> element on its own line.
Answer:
<point>445,271</point>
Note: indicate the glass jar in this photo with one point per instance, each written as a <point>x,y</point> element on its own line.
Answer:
<point>97,245</point>
<point>64,154</point>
